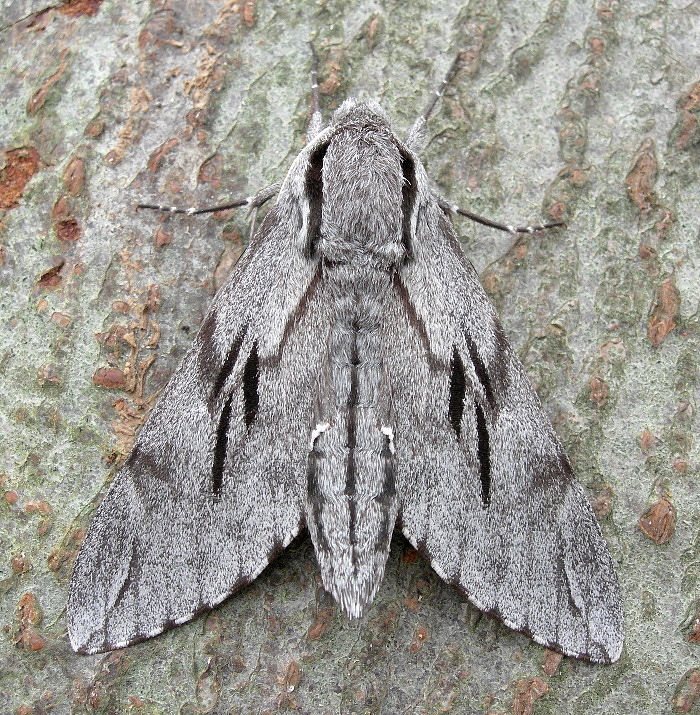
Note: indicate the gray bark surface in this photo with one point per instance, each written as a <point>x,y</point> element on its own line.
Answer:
<point>586,111</point>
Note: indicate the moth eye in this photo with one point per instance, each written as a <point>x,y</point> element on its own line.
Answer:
<point>313,185</point>
<point>458,387</point>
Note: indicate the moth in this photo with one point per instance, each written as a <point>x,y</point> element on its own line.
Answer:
<point>351,376</point>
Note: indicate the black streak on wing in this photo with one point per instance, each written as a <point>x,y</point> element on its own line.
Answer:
<point>484,454</point>
<point>566,588</point>
<point>408,200</point>
<point>131,576</point>
<point>314,193</point>
<point>458,388</point>
<point>480,371</point>
<point>251,396</point>
<point>417,324</point>
<point>222,429</point>
<point>217,468</point>
<point>227,367</point>
<point>144,466</point>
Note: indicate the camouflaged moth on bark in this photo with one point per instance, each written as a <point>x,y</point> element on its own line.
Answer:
<point>350,376</point>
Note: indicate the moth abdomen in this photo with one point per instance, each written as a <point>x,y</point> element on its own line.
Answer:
<point>351,489</point>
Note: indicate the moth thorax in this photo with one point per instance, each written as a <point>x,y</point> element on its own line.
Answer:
<point>362,188</point>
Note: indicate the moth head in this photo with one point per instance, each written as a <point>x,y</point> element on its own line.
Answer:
<point>353,112</point>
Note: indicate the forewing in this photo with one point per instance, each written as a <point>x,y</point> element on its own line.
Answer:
<point>213,488</point>
<point>486,492</point>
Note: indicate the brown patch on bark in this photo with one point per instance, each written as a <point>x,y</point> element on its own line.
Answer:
<point>664,312</point>
<point>688,132</point>
<point>646,440</point>
<point>320,625</point>
<point>74,176</point>
<point>248,12</point>
<point>598,391</point>
<point>162,238</point>
<point>66,226</point>
<point>38,99</point>
<point>20,166</point>
<point>52,278</point>
<point>687,693</point>
<point>410,555</point>
<point>288,684</point>
<point>156,157</point>
<point>658,522</point>
<point>29,616</point>
<point>139,104</point>
<point>48,375</point>
<point>551,662</point>
<point>80,8</point>
<point>21,564</point>
<point>528,691</point>
<point>641,178</point>
<point>109,377</point>
<point>603,501</point>
<point>419,638</point>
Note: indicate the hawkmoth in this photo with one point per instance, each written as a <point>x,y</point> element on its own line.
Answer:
<point>350,376</point>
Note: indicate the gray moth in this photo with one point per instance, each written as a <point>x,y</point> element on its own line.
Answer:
<point>350,376</point>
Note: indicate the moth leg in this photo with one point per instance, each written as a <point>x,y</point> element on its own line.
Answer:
<point>316,121</point>
<point>415,139</point>
<point>253,202</point>
<point>449,208</point>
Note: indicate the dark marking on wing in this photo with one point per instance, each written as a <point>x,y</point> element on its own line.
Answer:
<point>408,201</point>
<point>566,586</point>
<point>484,453</point>
<point>480,371</point>
<point>144,467</point>
<point>226,368</point>
<point>251,396</point>
<point>502,358</point>
<point>130,578</point>
<point>458,387</point>
<point>220,449</point>
<point>417,324</point>
<point>554,475</point>
<point>314,194</point>
<point>272,361</point>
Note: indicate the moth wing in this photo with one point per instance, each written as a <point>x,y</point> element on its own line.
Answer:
<point>486,493</point>
<point>213,487</point>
